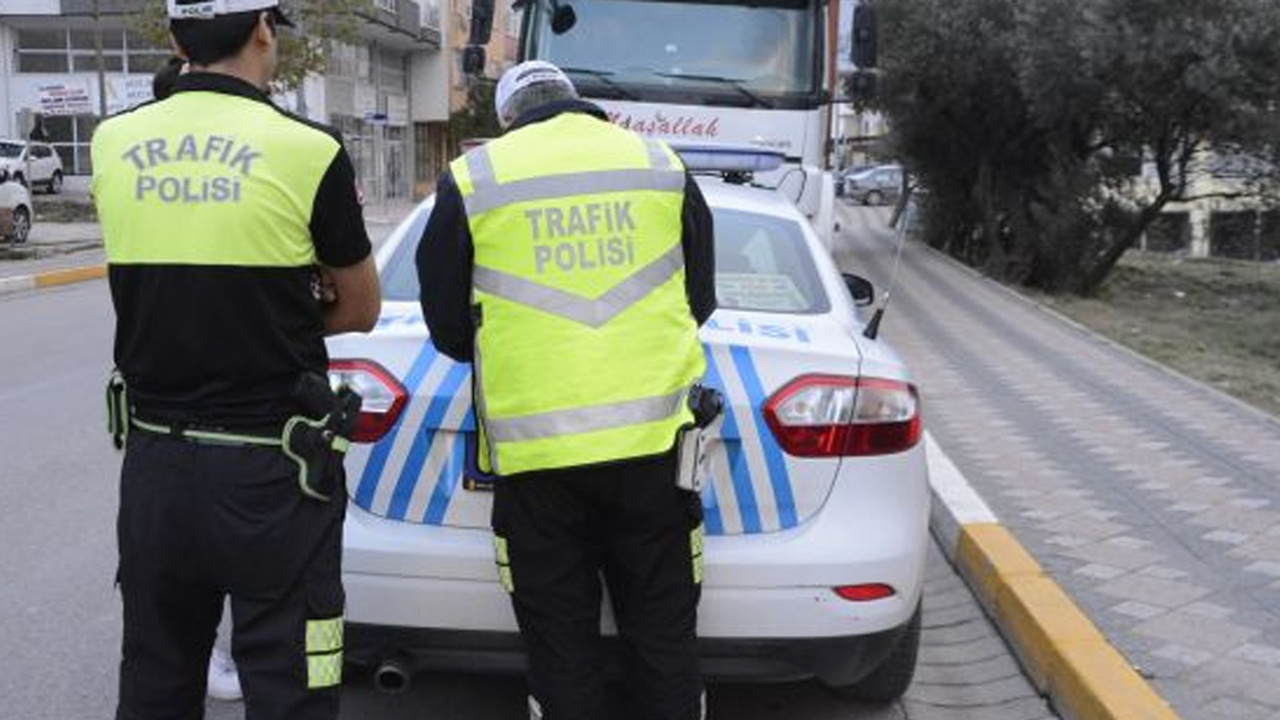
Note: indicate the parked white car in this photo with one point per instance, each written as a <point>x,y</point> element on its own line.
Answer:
<point>816,513</point>
<point>33,164</point>
<point>15,210</point>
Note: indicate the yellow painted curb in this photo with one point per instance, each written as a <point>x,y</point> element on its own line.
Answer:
<point>1062,650</point>
<point>66,277</point>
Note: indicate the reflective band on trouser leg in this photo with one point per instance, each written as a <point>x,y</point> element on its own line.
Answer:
<point>503,560</point>
<point>324,653</point>
<point>695,551</point>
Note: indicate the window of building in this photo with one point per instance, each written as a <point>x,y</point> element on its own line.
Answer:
<point>392,73</point>
<point>74,50</point>
<point>70,136</point>
<point>41,51</point>
<point>350,61</point>
<point>31,62</point>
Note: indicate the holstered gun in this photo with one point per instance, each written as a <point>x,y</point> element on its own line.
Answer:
<point>318,439</point>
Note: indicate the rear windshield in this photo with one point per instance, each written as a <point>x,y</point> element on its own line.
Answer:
<point>762,264</point>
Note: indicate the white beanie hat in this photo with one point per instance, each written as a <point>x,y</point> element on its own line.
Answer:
<point>521,77</point>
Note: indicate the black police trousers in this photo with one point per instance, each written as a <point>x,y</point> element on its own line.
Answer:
<point>557,533</point>
<point>199,522</point>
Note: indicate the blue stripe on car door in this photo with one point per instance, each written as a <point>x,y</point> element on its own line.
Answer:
<point>740,473</point>
<point>417,457</point>
<point>778,476</point>
<point>447,481</point>
<point>377,462</point>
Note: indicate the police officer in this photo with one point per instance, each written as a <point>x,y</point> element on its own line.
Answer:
<point>222,215</point>
<point>571,262</point>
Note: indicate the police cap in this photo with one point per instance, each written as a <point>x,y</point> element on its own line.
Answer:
<point>209,9</point>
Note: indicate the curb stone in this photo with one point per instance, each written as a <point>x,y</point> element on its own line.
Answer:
<point>52,278</point>
<point>1065,655</point>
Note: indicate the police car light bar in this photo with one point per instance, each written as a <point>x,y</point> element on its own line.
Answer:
<point>722,158</point>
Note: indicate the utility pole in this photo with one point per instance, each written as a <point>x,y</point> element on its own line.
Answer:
<point>101,61</point>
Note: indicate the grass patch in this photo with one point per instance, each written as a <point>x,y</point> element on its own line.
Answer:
<point>1214,320</point>
<point>55,210</point>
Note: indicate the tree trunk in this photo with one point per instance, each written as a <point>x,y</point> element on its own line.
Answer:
<point>992,239</point>
<point>1098,271</point>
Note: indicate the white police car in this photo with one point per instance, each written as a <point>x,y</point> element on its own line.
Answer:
<point>816,513</point>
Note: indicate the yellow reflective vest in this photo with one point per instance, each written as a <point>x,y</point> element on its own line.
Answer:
<point>176,185</point>
<point>585,343</point>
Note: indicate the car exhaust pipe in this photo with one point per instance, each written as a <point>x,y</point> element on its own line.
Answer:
<point>392,678</point>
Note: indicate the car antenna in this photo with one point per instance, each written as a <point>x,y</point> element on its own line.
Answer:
<point>873,328</point>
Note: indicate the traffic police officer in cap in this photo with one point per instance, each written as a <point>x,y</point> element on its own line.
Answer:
<point>571,262</point>
<point>235,242</point>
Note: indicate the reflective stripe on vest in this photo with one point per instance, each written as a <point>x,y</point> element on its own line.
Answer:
<point>586,419</point>
<point>586,348</point>
<point>487,194</point>
<point>588,311</point>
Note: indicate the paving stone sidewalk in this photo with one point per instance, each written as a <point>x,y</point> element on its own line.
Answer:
<point>1153,500</point>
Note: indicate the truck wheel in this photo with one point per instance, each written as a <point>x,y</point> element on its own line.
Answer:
<point>890,680</point>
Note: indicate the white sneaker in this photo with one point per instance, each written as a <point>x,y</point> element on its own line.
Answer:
<point>224,681</point>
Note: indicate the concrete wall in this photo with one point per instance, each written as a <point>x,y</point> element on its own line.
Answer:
<point>428,85</point>
<point>30,7</point>
<point>7,108</point>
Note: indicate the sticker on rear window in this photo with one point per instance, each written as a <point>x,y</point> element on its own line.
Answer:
<point>770,293</point>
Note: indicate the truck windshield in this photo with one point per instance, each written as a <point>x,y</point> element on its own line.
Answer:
<point>765,54</point>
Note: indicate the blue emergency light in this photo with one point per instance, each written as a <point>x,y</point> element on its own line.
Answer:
<point>725,158</point>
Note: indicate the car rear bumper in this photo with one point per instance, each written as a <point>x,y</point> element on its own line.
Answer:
<point>832,660</point>
<point>762,593</point>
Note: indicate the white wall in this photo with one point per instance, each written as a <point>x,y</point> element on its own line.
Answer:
<point>31,7</point>
<point>429,86</point>
<point>7,108</point>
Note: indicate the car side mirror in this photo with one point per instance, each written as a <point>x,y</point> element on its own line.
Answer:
<point>863,292</point>
<point>563,18</point>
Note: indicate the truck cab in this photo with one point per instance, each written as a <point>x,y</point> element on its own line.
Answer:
<point>756,73</point>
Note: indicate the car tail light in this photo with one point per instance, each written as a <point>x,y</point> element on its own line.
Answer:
<point>833,415</point>
<point>864,593</point>
<point>383,396</point>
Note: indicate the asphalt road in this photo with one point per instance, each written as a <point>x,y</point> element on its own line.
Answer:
<point>59,632</point>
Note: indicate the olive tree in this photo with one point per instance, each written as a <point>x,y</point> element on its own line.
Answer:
<point>302,50</point>
<point>1028,120</point>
